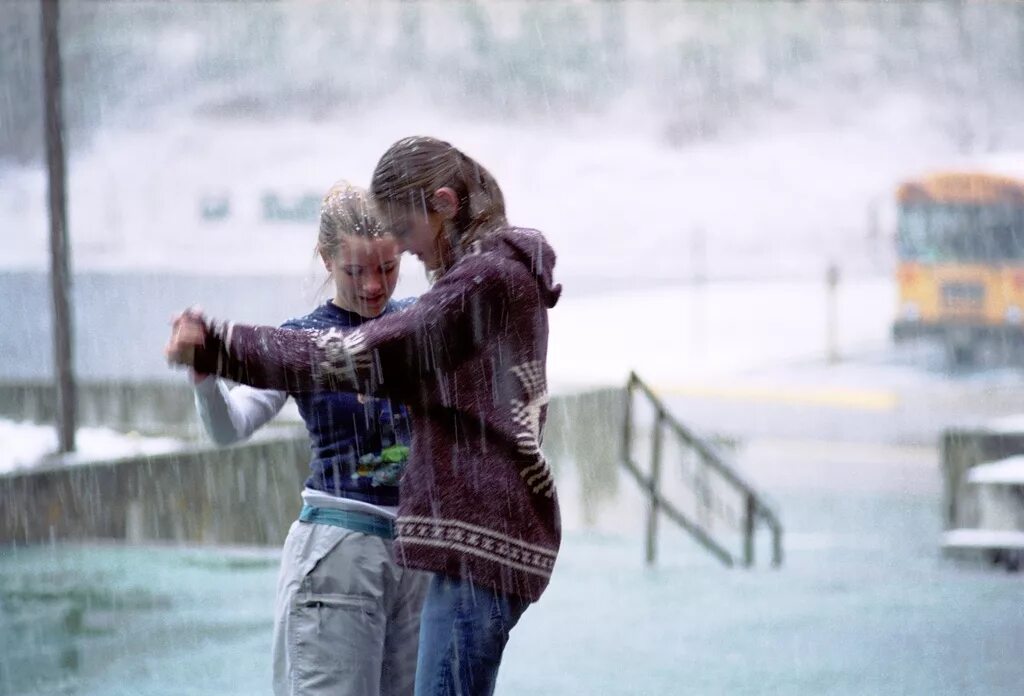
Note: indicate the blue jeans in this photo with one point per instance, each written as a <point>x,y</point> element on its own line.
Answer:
<point>463,631</point>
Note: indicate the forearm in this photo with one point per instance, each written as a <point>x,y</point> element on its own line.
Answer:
<point>390,356</point>
<point>268,358</point>
<point>230,416</point>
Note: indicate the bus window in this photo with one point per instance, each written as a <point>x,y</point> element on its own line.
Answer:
<point>947,233</point>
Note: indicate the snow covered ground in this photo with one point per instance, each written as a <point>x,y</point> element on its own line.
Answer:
<point>676,334</point>
<point>28,445</point>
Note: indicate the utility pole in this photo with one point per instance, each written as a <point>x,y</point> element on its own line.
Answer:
<point>832,313</point>
<point>60,276</point>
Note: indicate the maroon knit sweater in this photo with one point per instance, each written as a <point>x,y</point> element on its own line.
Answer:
<point>478,498</point>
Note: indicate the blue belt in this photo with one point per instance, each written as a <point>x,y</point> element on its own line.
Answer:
<point>364,522</point>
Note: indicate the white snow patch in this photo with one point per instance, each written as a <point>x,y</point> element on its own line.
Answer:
<point>26,445</point>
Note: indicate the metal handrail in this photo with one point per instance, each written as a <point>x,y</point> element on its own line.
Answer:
<point>754,506</point>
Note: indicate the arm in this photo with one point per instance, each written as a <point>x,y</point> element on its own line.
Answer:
<point>230,416</point>
<point>391,356</point>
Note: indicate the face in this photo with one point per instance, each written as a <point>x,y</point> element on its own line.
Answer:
<point>420,231</point>
<point>365,273</point>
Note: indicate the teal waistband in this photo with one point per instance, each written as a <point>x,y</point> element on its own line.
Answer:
<point>364,522</point>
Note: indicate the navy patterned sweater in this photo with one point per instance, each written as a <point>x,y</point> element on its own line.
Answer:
<point>360,444</point>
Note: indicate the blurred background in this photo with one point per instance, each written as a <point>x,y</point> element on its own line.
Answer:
<point>800,223</point>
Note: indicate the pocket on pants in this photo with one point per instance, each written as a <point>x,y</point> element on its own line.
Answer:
<point>336,641</point>
<point>351,602</point>
<point>333,617</point>
<point>336,615</point>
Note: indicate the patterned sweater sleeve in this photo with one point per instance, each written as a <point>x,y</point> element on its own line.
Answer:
<point>394,356</point>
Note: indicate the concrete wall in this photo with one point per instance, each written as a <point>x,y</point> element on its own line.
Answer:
<point>248,493</point>
<point>584,431</point>
<point>146,407</point>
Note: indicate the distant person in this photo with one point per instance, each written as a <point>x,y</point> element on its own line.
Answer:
<point>347,616</point>
<point>478,509</point>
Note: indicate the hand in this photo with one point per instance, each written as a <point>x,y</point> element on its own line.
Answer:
<point>188,330</point>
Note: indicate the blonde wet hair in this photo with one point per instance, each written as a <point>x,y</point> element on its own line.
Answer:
<point>347,210</point>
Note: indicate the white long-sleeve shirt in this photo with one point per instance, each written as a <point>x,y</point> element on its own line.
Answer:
<point>233,415</point>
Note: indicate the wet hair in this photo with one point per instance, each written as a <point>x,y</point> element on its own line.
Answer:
<point>347,210</point>
<point>412,169</point>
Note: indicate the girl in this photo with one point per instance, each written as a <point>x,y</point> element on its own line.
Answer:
<point>478,510</point>
<point>347,617</point>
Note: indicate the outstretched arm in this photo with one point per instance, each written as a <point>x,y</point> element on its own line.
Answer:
<point>391,356</point>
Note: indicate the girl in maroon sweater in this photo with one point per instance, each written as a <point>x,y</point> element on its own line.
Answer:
<point>478,508</point>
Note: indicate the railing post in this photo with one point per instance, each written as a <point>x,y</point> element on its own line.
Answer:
<point>653,492</point>
<point>832,313</point>
<point>627,425</point>
<point>776,545</point>
<point>749,526</point>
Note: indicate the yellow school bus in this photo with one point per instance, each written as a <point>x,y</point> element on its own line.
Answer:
<point>960,242</point>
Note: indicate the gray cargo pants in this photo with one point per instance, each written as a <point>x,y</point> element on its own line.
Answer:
<point>347,617</point>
